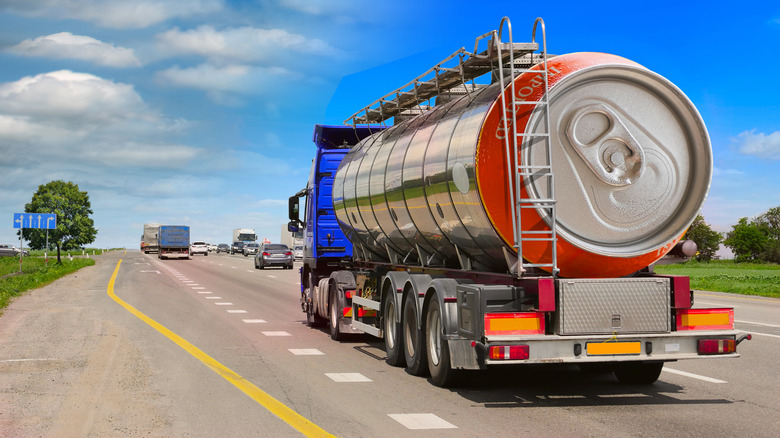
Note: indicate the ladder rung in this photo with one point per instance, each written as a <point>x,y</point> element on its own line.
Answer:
<point>534,135</point>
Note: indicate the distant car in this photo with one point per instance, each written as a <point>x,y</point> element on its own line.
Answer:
<point>298,252</point>
<point>212,246</point>
<point>223,247</point>
<point>273,254</point>
<point>11,251</point>
<point>199,248</point>
<point>250,248</point>
<point>237,247</point>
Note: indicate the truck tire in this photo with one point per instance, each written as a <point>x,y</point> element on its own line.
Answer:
<point>414,341</point>
<point>333,311</point>
<point>393,339</point>
<point>312,318</point>
<point>438,350</point>
<point>638,373</point>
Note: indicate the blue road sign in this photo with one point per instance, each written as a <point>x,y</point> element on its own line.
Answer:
<point>47,221</point>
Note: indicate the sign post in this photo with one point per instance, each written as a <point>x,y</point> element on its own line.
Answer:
<point>47,221</point>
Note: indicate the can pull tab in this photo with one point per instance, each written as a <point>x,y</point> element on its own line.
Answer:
<point>606,145</point>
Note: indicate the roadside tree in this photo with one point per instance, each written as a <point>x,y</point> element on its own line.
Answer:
<point>746,241</point>
<point>769,223</point>
<point>74,226</point>
<point>707,240</point>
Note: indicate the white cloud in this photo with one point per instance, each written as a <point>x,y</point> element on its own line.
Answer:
<point>242,45</point>
<point>760,144</point>
<point>66,96</point>
<point>75,118</point>
<point>65,45</point>
<point>224,83</point>
<point>115,13</point>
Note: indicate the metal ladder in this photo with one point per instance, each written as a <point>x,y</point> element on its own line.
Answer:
<point>514,147</point>
<point>442,78</point>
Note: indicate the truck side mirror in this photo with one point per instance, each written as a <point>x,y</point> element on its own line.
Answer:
<point>292,207</point>
<point>292,227</point>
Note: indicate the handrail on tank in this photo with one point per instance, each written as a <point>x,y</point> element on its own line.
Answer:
<point>510,155</point>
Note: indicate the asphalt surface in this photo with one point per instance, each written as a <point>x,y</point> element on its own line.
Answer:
<point>228,353</point>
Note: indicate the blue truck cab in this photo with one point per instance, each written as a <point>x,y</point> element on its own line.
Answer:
<point>326,248</point>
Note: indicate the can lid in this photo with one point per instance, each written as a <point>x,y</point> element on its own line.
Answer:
<point>631,159</point>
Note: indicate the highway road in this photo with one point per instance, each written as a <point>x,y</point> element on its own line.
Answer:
<point>211,347</point>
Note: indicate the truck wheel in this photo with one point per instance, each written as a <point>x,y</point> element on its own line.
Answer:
<point>393,339</point>
<point>333,307</point>
<point>414,341</point>
<point>442,374</point>
<point>312,317</point>
<point>638,373</point>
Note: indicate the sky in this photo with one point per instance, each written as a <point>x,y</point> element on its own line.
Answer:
<point>201,112</point>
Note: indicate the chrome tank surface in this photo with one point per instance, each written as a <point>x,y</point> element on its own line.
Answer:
<point>631,158</point>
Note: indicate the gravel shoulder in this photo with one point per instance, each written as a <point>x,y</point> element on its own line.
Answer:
<point>66,370</point>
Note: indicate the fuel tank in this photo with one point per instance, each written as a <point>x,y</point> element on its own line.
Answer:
<point>630,155</point>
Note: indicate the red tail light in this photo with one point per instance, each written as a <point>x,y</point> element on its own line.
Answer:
<point>288,253</point>
<point>717,346</point>
<point>266,254</point>
<point>509,352</point>
<point>348,293</point>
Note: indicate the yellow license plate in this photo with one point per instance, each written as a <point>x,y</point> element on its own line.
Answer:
<point>613,348</point>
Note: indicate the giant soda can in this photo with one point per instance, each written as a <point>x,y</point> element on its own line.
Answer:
<point>631,158</point>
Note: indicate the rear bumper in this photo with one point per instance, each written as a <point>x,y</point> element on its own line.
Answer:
<point>544,349</point>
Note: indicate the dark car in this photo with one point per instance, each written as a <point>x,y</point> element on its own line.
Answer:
<point>223,247</point>
<point>238,247</point>
<point>274,254</point>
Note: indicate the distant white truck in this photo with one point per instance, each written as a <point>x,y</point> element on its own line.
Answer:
<point>243,235</point>
<point>149,238</point>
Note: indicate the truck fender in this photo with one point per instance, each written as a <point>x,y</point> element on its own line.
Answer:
<point>445,291</point>
<point>341,281</point>
<point>417,284</point>
<point>395,281</point>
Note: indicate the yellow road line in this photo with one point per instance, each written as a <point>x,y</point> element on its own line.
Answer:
<point>274,406</point>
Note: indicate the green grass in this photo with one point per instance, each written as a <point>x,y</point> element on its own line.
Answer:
<point>727,276</point>
<point>34,274</point>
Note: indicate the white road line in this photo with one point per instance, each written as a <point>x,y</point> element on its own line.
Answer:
<point>306,352</point>
<point>276,334</point>
<point>233,267</point>
<point>28,360</point>
<point>236,311</point>
<point>196,288</point>
<point>422,421</point>
<point>694,376</point>
<point>759,334</point>
<point>254,321</point>
<point>271,276</point>
<point>753,323</point>
<point>213,298</point>
<point>224,304</point>
<point>187,281</point>
<point>347,377</point>
<point>203,292</point>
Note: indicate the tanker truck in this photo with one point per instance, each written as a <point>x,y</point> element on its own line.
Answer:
<point>511,214</point>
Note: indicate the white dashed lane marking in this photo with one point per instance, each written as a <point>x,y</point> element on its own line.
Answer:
<point>306,352</point>
<point>276,334</point>
<point>213,298</point>
<point>254,321</point>
<point>224,304</point>
<point>422,421</point>
<point>347,377</point>
<point>236,311</point>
